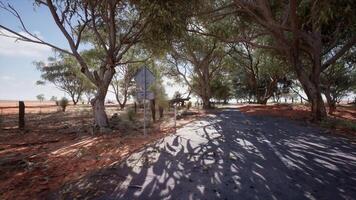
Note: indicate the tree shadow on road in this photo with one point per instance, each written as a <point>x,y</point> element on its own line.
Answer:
<point>230,156</point>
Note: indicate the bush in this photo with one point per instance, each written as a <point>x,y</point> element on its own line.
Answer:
<point>131,115</point>
<point>63,103</point>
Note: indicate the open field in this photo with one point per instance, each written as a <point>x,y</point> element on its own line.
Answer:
<point>58,147</point>
<point>11,107</point>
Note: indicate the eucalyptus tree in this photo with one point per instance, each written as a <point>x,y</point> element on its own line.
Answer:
<point>196,60</point>
<point>260,70</point>
<point>312,35</point>
<point>122,83</point>
<point>115,26</point>
<point>59,71</point>
<point>338,81</point>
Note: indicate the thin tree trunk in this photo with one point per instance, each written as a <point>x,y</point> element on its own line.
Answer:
<point>160,108</point>
<point>72,96</point>
<point>331,103</point>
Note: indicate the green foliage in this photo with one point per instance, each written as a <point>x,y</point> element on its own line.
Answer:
<point>40,97</point>
<point>63,103</point>
<point>221,87</point>
<point>170,19</point>
<point>339,79</point>
<point>63,72</point>
<point>256,73</point>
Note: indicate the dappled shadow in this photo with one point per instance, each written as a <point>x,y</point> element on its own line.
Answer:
<point>230,156</point>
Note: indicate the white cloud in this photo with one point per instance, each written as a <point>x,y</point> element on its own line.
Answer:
<point>11,47</point>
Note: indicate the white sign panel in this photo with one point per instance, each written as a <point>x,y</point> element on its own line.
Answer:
<point>144,78</point>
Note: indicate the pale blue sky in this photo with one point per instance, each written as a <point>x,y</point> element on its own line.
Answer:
<point>17,72</point>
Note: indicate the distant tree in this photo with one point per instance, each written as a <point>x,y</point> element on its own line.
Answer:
<point>337,81</point>
<point>53,98</point>
<point>40,97</point>
<point>63,75</point>
<point>221,88</point>
<point>196,60</point>
<point>89,91</point>
<point>256,71</point>
<point>121,84</point>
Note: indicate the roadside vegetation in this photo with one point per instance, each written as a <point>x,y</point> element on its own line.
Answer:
<point>289,58</point>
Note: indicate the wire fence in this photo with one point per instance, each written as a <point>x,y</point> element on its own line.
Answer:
<point>36,113</point>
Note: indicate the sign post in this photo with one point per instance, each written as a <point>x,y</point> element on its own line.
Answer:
<point>175,118</point>
<point>144,78</point>
<point>144,104</point>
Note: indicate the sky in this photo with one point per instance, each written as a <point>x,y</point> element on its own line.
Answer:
<point>18,74</point>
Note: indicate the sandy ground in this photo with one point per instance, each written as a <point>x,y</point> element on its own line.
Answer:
<point>56,148</point>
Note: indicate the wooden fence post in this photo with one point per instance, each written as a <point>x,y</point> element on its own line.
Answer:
<point>21,115</point>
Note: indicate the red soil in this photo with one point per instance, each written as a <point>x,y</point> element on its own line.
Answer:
<point>41,160</point>
<point>302,112</point>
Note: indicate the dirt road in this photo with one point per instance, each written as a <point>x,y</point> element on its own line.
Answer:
<point>229,155</point>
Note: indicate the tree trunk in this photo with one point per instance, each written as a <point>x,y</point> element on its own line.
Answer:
<point>262,101</point>
<point>98,104</point>
<point>318,111</point>
<point>123,104</point>
<point>160,108</point>
<point>311,85</point>
<point>331,102</point>
<point>73,99</point>
<point>206,102</point>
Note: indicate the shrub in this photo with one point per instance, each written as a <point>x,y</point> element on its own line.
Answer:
<point>63,103</point>
<point>131,114</point>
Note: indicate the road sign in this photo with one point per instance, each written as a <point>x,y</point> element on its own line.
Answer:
<point>144,78</point>
<point>141,95</point>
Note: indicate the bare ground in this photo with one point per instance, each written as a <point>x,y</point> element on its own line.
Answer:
<point>302,113</point>
<point>58,147</point>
